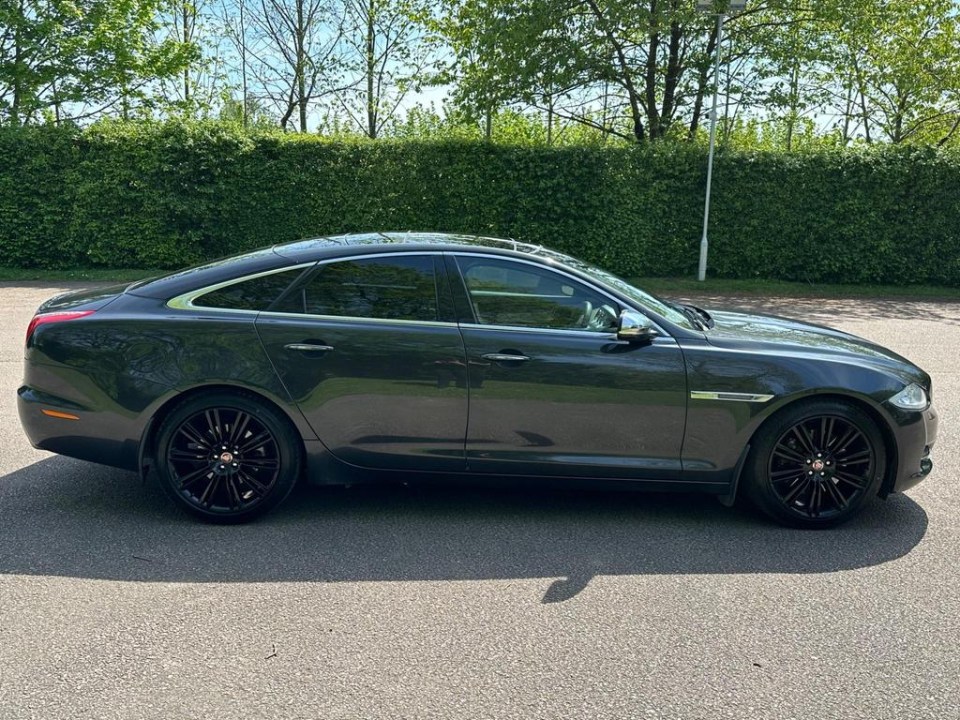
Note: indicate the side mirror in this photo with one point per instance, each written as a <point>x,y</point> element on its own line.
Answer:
<point>635,327</point>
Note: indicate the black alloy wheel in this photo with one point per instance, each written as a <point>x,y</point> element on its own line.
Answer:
<point>227,457</point>
<point>816,464</point>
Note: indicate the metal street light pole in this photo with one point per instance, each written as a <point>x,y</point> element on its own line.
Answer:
<point>704,241</point>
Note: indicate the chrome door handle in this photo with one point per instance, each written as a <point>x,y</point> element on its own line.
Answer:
<point>504,357</point>
<point>308,347</point>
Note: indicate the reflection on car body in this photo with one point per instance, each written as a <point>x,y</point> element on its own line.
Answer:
<point>373,356</point>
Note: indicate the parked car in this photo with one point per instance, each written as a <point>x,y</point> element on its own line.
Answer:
<point>374,356</point>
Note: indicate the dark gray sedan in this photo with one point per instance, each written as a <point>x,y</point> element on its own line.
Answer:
<point>360,357</point>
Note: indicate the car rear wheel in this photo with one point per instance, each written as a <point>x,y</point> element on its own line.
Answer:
<point>227,457</point>
<point>816,464</point>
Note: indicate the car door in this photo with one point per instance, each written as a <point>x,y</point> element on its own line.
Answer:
<point>369,349</point>
<point>552,389</point>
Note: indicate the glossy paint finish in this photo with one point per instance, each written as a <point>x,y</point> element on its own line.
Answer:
<point>584,404</point>
<point>678,411</point>
<point>388,395</point>
<point>117,370</point>
<point>792,360</point>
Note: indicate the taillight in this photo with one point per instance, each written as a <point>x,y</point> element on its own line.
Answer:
<point>54,317</point>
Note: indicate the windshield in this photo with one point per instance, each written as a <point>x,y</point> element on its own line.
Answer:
<point>642,298</point>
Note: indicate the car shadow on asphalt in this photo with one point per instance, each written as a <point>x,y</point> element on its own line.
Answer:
<point>66,518</point>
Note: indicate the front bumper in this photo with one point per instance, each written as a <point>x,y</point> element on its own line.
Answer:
<point>916,435</point>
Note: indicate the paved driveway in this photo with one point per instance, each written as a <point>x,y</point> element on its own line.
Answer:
<point>463,603</point>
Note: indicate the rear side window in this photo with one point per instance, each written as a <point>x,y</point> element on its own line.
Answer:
<point>389,288</point>
<point>254,294</point>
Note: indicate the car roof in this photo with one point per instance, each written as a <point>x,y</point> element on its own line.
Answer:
<point>316,248</point>
<point>277,257</point>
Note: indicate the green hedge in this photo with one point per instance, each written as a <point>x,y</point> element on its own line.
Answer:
<point>152,195</point>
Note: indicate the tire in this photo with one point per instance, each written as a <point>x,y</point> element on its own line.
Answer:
<point>816,464</point>
<point>227,457</point>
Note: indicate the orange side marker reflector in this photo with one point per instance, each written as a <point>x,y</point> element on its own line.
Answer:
<point>58,414</point>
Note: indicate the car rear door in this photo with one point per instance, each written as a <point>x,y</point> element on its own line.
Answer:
<point>369,349</point>
<point>555,393</point>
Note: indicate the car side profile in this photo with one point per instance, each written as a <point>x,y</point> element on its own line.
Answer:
<point>374,356</point>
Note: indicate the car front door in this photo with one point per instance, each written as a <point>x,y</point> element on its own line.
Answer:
<point>370,351</point>
<point>552,389</point>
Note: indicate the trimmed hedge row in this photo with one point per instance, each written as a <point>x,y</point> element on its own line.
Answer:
<point>167,195</point>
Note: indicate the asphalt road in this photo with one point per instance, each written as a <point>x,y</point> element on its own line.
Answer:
<point>386,603</point>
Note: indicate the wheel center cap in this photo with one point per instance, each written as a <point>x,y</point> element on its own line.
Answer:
<point>818,465</point>
<point>226,458</point>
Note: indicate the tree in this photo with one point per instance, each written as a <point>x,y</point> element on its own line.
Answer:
<point>82,58</point>
<point>386,50</point>
<point>903,59</point>
<point>193,24</point>
<point>633,71</point>
<point>879,69</point>
<point>293,53</point>
<point>31,34</point>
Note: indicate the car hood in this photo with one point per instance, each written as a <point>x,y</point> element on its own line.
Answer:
<point>734,330</point>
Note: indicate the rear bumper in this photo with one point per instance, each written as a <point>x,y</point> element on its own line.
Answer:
<point>76,438</point>
<point>916,436</point>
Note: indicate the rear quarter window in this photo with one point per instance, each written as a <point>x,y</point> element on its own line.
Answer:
<point>254,294</point>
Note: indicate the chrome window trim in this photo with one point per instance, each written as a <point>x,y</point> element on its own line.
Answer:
<point>353,319</point>
<point>730,396</point>
<point>551,265</point>
<point>588,334</point>
<point>185,301</point>
<point>365,256</point>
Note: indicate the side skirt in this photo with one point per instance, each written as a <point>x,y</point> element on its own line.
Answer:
<point>325,469</point>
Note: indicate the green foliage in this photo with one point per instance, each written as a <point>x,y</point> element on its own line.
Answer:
<point>507,127</point>
<point>166,195</point>
<point>66,60</point>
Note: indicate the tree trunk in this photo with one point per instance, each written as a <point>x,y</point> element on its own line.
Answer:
<point>371,70</point>
<point>17,68</point>
<point>243,61</point>
<point>635,111</point>
<point>946,138</point>
<point>550,120</point>
<point>303,105</point>
<point>901,111</point>
<point>846,115</point>
<point>56,102</point>
<point>186,38</point>
<point>702,79</point>
<point>299,79</point>
<point>861,90</point>
<point>291,106</point>
<point>674,71</point>
<point>794,102</point>
<point>650,77</point>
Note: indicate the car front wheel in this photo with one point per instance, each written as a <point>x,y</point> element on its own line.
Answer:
<point>816,464</point>
<point>227,457</point>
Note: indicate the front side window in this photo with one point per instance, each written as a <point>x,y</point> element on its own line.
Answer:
<point>503,292</point>
<point>389,288</point>
<point>254,294</point>
<point>642,298</point>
